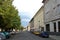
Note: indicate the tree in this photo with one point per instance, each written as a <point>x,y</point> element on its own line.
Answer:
<point>21,28</point>
<point>9,15</point>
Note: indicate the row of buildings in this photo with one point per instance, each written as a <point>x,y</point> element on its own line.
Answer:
<point>47,18</point>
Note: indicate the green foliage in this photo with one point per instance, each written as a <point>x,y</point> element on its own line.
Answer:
<point>21,28</point>
<point>9,15</point>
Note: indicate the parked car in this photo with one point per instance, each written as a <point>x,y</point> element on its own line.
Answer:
<point>12,32</point>
<point>7,34</point>
<point>36,32</point>
<point>2,36</point>
<point>44,34</point>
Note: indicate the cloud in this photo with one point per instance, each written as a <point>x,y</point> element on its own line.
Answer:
<point>29,6</point>
<point>24,23</point>
<point>24,18</point>
<point>24,14</point>
<point>27,9</point>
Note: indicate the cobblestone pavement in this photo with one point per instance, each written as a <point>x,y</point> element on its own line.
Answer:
<point>27,36</point>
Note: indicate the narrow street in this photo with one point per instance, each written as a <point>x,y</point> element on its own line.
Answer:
<point>27,36</point>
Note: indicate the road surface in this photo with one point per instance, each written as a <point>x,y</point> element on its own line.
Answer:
<point>27,36</point>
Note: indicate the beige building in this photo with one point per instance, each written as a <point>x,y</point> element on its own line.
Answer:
<point>52,15</point>
<point>37,22</point>
<point>31,24</point>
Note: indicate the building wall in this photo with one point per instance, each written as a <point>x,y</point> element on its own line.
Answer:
<point>28,27</point>
<point>32,24</point>
<point>52,10</point>
<point>39,20</point>
<point>52,13</point>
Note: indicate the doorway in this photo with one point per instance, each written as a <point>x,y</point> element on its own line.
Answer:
<point>55,27</point>
<point>48,27</point>
<point>59,26</point>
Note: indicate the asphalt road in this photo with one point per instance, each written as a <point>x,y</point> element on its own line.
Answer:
<point>27,36</point>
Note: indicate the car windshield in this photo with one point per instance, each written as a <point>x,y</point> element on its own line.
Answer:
<point>2,34</point>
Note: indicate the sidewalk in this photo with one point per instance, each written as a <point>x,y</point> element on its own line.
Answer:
<point>55,37</point>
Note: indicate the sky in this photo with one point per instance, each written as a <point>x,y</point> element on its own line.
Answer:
<point>27,9</point>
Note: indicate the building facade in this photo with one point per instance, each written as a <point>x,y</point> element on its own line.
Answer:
<point>28,27</point>
<point>31,24</point>
<point>39,20</point>
<point>52,15</point>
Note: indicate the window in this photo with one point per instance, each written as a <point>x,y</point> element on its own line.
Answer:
<point>54,7</point>
<point>55,27</point>
<point>58,5</point>
<point>59,26</point>
<point>48,27</point>
<point>42,28</point>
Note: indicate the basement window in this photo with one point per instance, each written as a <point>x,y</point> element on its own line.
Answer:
<point>58,5</point>
<point>54,7</point>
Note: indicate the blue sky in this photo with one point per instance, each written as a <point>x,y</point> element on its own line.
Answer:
<point>27,9</point>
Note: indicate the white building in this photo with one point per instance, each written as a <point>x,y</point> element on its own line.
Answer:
<point>52,15</point>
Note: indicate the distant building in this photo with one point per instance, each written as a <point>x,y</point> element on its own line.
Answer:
<point>28,27</point>
<point>52,15</point>
<point>31,24</point>
<point>25,29</point>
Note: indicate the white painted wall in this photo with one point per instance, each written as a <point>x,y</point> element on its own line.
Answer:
<point>52,12</point>
<point>51,27</point>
